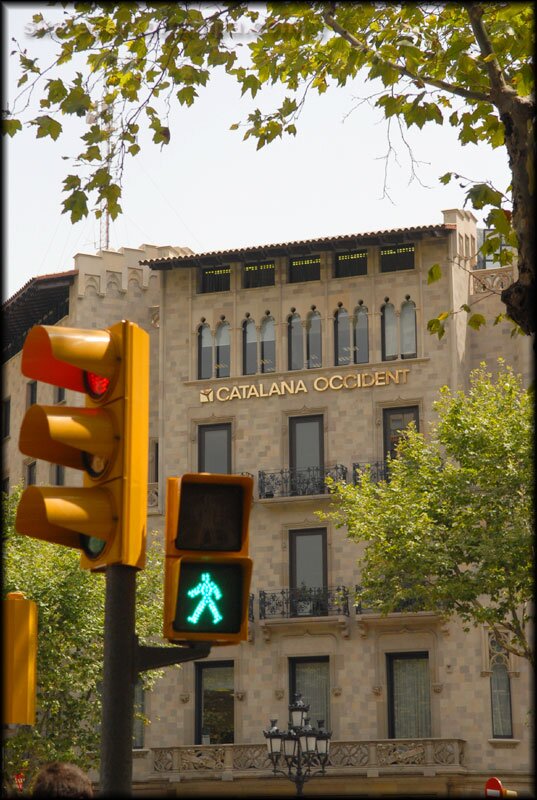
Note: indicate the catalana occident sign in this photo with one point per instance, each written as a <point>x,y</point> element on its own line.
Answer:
<point>351,380</point>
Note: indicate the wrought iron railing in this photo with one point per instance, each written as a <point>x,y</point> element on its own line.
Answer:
<point>409,605</point>
<point>251,608</point>
<point>298,482</point>
<point>379,470</point>
<point>304,602</point>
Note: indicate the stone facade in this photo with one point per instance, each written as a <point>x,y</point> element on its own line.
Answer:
<point>460,751</point>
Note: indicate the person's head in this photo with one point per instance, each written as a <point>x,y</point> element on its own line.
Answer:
<point>62,780</point>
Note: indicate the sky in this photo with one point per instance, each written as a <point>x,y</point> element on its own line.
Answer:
<point>210,190</point>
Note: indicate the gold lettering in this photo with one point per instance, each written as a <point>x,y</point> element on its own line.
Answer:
<point>219,393</point>
<point>392,377</point>
<point>288,387</point>
<point>346,381</point>
<point>334,378</point>
<point>359,380</point>
<point>300,387</point>
<point>370,382</point>
<point>318,384</point>
<point>274,389</point>
<point>235,393</point>
<point>262,392</point>
<point>405,373</point>
<point>380,379</point>
<point>252,392</point>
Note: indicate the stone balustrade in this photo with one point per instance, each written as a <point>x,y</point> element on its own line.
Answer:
<point>492,280</point>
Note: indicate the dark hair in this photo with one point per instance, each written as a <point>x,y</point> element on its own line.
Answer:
<point>62,780</point>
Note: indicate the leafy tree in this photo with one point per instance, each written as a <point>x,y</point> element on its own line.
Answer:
<point>465,63</point>
<point>70,604</point>
<point>452,528</point>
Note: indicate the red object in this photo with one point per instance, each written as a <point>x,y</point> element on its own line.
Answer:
<point>493,788</point>
<point>97,385</point>
<point>19,780</point>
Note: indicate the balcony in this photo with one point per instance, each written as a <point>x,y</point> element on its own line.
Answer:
<point>379,470</point>
<point>198,766</point>
<point>298,482</point>
<point>304,602</point>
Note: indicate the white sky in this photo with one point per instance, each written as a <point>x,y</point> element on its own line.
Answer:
<point>209,190</point>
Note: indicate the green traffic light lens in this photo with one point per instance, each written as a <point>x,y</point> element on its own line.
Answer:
<point>92,546</point>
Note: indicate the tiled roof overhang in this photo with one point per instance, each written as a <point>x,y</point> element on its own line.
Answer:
<point>42,301</point>
<point>330,243</point>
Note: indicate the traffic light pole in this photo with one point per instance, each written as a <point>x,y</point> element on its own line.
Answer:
<point>124,658</point>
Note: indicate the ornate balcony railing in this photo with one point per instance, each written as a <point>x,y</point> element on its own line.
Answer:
<point>298,482</point>
<point>251,608</point>
<point>304,602</point>
<point>386,756</point>
<point>379,470</point>
<point>152,498</point>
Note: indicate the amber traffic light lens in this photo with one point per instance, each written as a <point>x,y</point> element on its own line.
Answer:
<point>96,385</point>
<point>94,465</point>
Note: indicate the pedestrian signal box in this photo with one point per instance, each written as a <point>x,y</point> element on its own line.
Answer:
<point>208,571</point>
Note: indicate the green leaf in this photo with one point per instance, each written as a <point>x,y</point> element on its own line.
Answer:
<point>434,273</point>
<point>476,321</point>
<point>47,126</point>
<point>11,126</point>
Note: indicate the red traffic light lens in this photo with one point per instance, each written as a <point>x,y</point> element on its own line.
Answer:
<point>96,385</point>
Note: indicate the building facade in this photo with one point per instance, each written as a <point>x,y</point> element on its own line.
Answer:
<point>294,362</point>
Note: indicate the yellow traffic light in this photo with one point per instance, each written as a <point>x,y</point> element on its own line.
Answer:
<point>20,659</point>
<point>107,440</point>
<point>208,571</point>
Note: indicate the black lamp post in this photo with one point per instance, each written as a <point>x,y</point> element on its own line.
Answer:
<point>303,750</point>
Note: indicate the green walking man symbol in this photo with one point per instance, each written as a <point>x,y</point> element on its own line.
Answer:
<point>208,589</point>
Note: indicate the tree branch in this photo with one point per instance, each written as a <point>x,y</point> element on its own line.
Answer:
<point>468,94</point>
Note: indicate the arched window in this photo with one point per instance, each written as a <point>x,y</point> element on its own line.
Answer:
<point>268,346</point>
<point>500,690</point>
<point>388,323</point>
<point>314,353</point>
<point>205,352</point>
<point>223,353</point>
<point>249,347</point>
<point>361,336</point>
<point>342,338</point>
<point>408,329</point>
<point>295,345</point>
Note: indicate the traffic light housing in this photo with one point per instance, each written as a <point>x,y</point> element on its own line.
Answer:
<point>208,571</point>
<point>20,659</point>
<point>107,440</point>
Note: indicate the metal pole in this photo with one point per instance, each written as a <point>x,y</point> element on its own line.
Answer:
<point>118,681</point>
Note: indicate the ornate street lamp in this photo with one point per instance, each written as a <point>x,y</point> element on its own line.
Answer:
<point>302,749</point>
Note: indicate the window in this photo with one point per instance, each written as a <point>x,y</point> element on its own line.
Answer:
<point>396,257</point>
<point>351,263</point>
<point>223,351</point>
<point>258,274</point>
<point>388,332</point>
<point>59,394</point>
<point>310,677</point>
<point>214,448</point>
<point>249,347</point>
<point>314,353</point>
<point>408,329</point>
<point>215,703</point>
<point>138,722</point>
<point>215,279</point>
<point>361,335</point>
<point>205,353</point>
<point>500,690</point>
<point>31,393</point>
<point>152,470</point>
<point>295,345</point>
<point>395,420</point>
<point>342,338</point>
<point>30,473</point>
<point>307,553</point>
<point>6,417</point>
<point>58,475</point>
<point>306,456</point>
<point>409,705</point>
<point>268,346</point>
<point>305,268</point>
